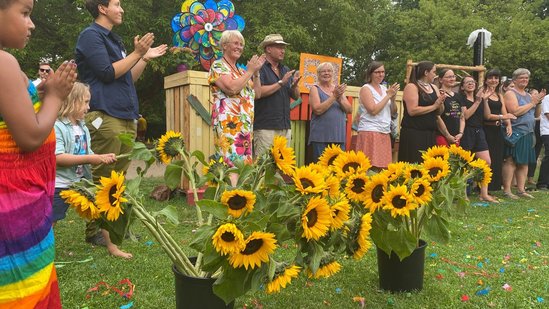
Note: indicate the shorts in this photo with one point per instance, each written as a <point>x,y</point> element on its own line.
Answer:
<point>59,206</point>
<point>474,139</point>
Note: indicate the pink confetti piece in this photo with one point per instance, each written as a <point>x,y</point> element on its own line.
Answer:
<point>461,274</point>
<point>360,300</point>
<point>507,287</point>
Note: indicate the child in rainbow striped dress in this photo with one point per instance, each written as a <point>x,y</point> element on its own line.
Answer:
<point>27,168</point>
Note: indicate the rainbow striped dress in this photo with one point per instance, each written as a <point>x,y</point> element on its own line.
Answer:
<point>27,180</point>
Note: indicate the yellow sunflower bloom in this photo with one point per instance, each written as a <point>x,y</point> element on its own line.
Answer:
<point>238,202</point>
<point>398,201</point>
<point>316,218</point>
<point>355,188</point>
<point>169,146</point>
<point>109,197</point>
<point>340,213</point>
<point>395,170</point>
<point>307,180</point>
<point>482,172</point>
<point>325,270</point>
<point>362,240</point>
<point>259,246</point>
<point>228,239</point>
<point>421,191</point>
<point>282,279</point>
<point>414,171</point>
<point>436,152</point>
<point>83,205</point>
<point>349,163</point>
<point>374,191</point>
<point>329,155</point>
<point>332,186</point>
<point>460,154</point>
<point>437,168</point>
<point>283,156</point>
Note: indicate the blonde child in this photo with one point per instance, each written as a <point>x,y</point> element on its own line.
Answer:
<point>27,168</point>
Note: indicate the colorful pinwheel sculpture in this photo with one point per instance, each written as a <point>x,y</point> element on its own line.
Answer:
<point>199,27</point>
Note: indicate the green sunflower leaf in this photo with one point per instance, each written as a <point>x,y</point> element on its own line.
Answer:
<point>213,207</point>
<point>172,175</point>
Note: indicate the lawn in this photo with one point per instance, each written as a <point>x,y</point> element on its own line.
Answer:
<point>497,257</point>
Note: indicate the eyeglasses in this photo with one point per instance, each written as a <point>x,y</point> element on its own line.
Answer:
<point>45,70</point>
<point>451,76</point>
<point>378,72</point>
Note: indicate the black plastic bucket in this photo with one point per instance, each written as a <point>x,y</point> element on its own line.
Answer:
<point>196,293</point>
<point>401,276</point>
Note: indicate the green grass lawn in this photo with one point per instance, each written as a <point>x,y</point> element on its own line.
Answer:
<point>492,245</point>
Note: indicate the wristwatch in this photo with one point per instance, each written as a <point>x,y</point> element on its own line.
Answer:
<point>279,82</point>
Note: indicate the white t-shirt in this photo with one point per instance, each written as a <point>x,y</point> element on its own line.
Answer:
<point>544,122</point>
<point>382,121</point>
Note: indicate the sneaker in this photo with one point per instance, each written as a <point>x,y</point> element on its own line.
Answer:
<point>97,240</point>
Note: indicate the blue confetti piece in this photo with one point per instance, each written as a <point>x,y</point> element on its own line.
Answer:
<point>433,255</point>
<point>531,210</point>
<point>509,220</point>
<point>480,265</point>
<point>487,261</point>
<point>540,299</point>
<point>149,243</point>
<point>127,306</point>
<point>480,204</point>
<point>502,270</point>
<point>483,292</point>
<point>338,290</point>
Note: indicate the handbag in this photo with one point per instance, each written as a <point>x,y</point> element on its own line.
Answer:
<point>512,140</point>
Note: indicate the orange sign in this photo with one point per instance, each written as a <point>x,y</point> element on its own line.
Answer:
<point>307,70</point>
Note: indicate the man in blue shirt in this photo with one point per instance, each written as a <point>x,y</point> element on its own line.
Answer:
<point>110,72</point>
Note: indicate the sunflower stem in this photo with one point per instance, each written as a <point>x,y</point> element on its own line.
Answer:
<point>198,264</point>
<point>192,183</point>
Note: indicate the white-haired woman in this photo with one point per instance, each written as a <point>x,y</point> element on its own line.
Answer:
<point>330,109</point>
<point>517,157</point>
<point>234,89</point>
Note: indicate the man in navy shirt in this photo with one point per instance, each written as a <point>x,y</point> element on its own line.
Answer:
<point>278,84</point>
<point>110,72</point>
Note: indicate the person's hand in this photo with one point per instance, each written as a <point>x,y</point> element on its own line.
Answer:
<point>155,52</point>
<point>509,130</point>
<point>441,97</point>
<point>296,78</point>
<point>60,83</point>
<point>458,137</point>
<point>536,98</point>
<point>339,90</point>
<point>107,158</point>
<point>484,94</point>
<point>143,44</point>
<point>255,63</point>
<point>451,139</point>
<point>508,116</point>
<point>393,89</point>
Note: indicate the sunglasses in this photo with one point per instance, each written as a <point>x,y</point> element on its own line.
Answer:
<point>45,70</point>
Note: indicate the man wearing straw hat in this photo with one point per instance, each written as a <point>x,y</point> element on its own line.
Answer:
<point>278,84</point>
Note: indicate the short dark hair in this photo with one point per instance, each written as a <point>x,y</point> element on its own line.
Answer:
<point>4,4</point>
<point>44,63</point>
<point>93,6</point>
<point>374,65</point>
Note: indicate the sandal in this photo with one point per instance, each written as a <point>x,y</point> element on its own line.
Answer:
<point>510,195</point>
<point>489,199</point>
<point>524,194</point>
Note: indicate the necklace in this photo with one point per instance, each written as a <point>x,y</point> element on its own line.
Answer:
<point>233,68</point>
<point>424,84</point>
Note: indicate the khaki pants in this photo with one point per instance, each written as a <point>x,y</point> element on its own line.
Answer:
<point>104,131</point>
<point>263,140</point>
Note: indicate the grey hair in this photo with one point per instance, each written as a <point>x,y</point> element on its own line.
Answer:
<point>228,35</point>
<point>520,71</point>
<point>323,65</point>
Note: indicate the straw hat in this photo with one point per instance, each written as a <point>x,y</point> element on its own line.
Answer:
<point>272,39</point>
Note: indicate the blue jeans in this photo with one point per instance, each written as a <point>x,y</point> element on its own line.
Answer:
<point>318,148</point>
<point>543,177</point>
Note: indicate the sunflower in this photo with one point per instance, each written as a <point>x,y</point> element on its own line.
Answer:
<point>109,196</point>
<point>238,201</point>
<point>329,155</point>
<point>283,156</point>
<point>325,270</point>
<point>332,186</point>
<point>437,168</point>
<point>414,171</point>
<point>355,187</point>
<point>340,213</point>
<point>421,191</point>
<point>461,155</point>
<point>307,180</point>
<point>482,172</point>
<point>362,243</point>
<point>436,152</point>
<point>83,205</point>
<point>316,218</point>
<point>348,163</point>
<point>395,170</point>
<point>258,248</point>
<point>282,278</point>
<point>169,146</point>
<point>374,191</point>
<point>228,239</point>
<point>398,201</point>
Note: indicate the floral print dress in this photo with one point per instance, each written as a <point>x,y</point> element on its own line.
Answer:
<point>232,116</point>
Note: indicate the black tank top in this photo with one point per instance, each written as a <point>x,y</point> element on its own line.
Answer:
<point>426,122</point>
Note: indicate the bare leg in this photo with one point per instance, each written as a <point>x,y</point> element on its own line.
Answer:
<point>234,179</point>
<point>521,173</point>
<point>508,173</point>
<point>113,249</point>
<point>484,196</point>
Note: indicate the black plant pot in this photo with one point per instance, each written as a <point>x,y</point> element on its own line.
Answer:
<point>401,276</point>
<point>196,293</point>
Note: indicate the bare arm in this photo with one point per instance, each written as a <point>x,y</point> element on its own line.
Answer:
<point>66,159</point>
<point>30,129</point>
<point>152,53</point>
<point>267,90</point>
<point>232,86</point>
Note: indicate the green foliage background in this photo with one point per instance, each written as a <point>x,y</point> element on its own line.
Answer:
<point>357,30</point>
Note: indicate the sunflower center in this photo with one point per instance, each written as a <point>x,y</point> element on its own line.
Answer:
<point>237,202</point>
<point>306,182</point>
<point>358,185</point>
<point>228,237</point>
<point>420,190</point>
<point>434,171</point>
<point>335,213</point>
<point>112,198</point>
<point>377,193</point>
<point>312,216</point>
<point>415,174</point>
<point>347,167</point>
<point>331,160</point>
<point>253,246</point>
<point>398,201</point>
